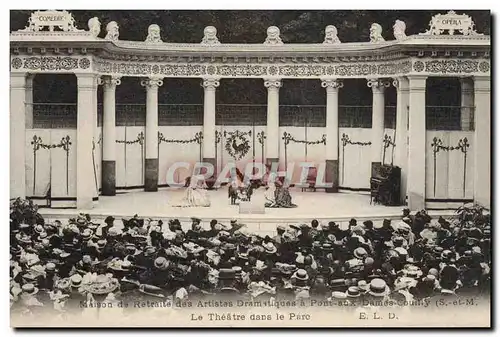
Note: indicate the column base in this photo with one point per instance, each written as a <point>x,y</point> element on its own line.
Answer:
<point>416,202</point>
<point>210,181</point>
<point>332,175</point>
<point>151,175</point>
<point>84,203</point>
<point>108,178</point>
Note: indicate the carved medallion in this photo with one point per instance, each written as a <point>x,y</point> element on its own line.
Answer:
<point>16,63</point>
<point>418,66</point>
<point>484,67</point>
<point>84,63</point>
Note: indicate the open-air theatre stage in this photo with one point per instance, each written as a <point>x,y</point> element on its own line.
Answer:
<point>338,207</point>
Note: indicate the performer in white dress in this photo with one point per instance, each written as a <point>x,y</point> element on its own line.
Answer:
<point>270,193</point>
<point>196,194</point>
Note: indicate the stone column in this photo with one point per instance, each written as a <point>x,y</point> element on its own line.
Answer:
<point>482,141</point>
<point>273,117</point>
<point>401,141</point>
<point>17,135</point>
<point>29,101</point>
<point>151,163</point>
<point>109,136</point>
<point>85,186</point>
<point>378,108</point>
<point>332,133</point>
<point>467,102</point>
<point>209,86</point>
<point>416,143</point>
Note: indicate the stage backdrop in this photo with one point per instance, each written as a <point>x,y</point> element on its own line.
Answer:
<point>51,158</point>
<point>449,165</point>
<point>51,165</point>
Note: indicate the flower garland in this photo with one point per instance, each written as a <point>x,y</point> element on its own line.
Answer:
<point>287,137</point>
<point>139,139</point>
<point>345,140</point>
<point>437,146</point>
<point>38,144</point>
<point>198,137</point>
<point>237,151</point>
<point>64,143</point>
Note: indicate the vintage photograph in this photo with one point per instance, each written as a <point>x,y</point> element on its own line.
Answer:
<point>250,168</point>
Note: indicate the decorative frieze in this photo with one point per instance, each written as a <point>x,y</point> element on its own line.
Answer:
<point>239,70</point>
<point>301,70</point>
<point>451,66</point>
<point>50,63</point>
<point>341,69</point>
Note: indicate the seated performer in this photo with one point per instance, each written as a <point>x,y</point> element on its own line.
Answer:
<point>196,194</point>
<point>277,195</point>
<point>270,195</point>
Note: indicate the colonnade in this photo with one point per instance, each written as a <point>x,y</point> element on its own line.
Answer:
<point>410,131</point>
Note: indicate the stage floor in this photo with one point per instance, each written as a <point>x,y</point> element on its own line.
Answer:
<point>339,207</point>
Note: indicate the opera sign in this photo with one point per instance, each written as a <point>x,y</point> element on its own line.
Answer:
<point>451,23</point>
<point>51,19</point>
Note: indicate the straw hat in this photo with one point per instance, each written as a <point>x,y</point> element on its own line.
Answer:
<point>86,234</point>
<point>363,286</point>
<point>353,292</point>
<point>101,244</point>
<point>76,280</point>
<point>270,248</point>
<point>301,275</point>
<point>360,253</point>
<point>378,288</point>
<point>161,263</point>
<point>29,289</point>
<point>50,267</point>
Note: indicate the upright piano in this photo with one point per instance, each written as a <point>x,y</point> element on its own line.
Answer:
<point>385,185</point>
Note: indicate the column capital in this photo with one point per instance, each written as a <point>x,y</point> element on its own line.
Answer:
<point>87,81</point>
<point>152,82</point>
<point>378,83</point>
<point>210,83</point>
<point>110,82</point>
<point>29,80</point>
<point>400,83</point>
<point>417,83</point>
<point>272,83</point>
<point>482,83</point>
<point>18,80</point>
<point>332,84</point>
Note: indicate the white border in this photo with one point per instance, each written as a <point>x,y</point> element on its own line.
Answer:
<point>186,4</point>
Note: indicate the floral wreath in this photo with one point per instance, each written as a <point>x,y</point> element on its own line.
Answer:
<point>234,150</point>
